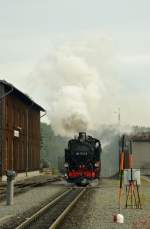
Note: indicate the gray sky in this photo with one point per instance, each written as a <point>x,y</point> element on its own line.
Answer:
<point>30,28</point>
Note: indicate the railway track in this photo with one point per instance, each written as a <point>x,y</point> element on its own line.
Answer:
<point>146,178</point>
<point>52,213</point>
<point>22,187</point>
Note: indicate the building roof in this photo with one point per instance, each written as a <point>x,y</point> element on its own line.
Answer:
<point>138,137</point>
<point>141,137</point>
<point>20,94</point>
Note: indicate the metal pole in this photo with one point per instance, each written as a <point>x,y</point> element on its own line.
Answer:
<point>27,114</point>
<point>119,119</point>
<point>10,187</point>
<point>119,137</point>
<point>10,191</point>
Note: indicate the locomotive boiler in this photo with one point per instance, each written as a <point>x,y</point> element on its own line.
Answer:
<point>83,159</point>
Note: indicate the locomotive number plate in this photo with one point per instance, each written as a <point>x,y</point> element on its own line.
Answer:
<point>82,153</point>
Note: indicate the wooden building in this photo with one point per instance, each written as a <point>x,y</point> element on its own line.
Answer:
<point>19,130</point>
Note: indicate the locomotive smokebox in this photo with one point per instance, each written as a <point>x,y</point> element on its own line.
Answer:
<point>82,136</point>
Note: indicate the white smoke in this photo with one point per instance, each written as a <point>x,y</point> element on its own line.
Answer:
<point>78,85</point>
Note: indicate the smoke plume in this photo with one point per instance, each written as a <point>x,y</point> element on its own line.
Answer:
<point>78,85</point>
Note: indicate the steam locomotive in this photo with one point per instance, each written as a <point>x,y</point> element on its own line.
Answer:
<point>82,159</point>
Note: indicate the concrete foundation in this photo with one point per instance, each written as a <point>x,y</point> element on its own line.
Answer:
<point>22,176</point>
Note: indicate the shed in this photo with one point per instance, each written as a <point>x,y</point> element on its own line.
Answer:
<point>19,130</point>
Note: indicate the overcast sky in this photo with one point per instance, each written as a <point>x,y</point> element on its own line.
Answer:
<point>30,28</point>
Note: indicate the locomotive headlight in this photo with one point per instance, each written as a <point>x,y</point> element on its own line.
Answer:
<point>97,145</point>
<point>66,165</point>
<point>97,164</point>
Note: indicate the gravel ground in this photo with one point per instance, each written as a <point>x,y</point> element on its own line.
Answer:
<point>25,202</point>
<point>28,183</point>
<point>98,206</point>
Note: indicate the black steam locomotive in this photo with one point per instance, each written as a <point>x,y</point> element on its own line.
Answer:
<point>82,159</point>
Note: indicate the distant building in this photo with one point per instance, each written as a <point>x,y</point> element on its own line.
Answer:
<point>19,130</point>
<point>138,146</point>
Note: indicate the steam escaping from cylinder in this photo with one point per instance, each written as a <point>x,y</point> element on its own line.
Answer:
<point>79,85</point>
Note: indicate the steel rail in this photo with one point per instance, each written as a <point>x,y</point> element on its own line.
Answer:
<point>23,187</point>
<point>146,178</point>
<point>65,212</point>
<point>27,222</point>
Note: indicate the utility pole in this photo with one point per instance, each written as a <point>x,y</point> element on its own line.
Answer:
<point>119,125</point>
<point>119,119</point>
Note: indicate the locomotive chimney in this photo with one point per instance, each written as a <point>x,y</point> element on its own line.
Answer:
<point>82,136</point>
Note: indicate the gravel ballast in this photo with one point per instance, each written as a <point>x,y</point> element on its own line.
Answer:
<point>98,206</point>
<point>26,203</point>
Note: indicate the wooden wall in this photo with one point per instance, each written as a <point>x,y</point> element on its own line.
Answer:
<point>21,153</point>
<point>1,126</point>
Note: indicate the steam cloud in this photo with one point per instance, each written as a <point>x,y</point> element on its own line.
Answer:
<point>78,85</point>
